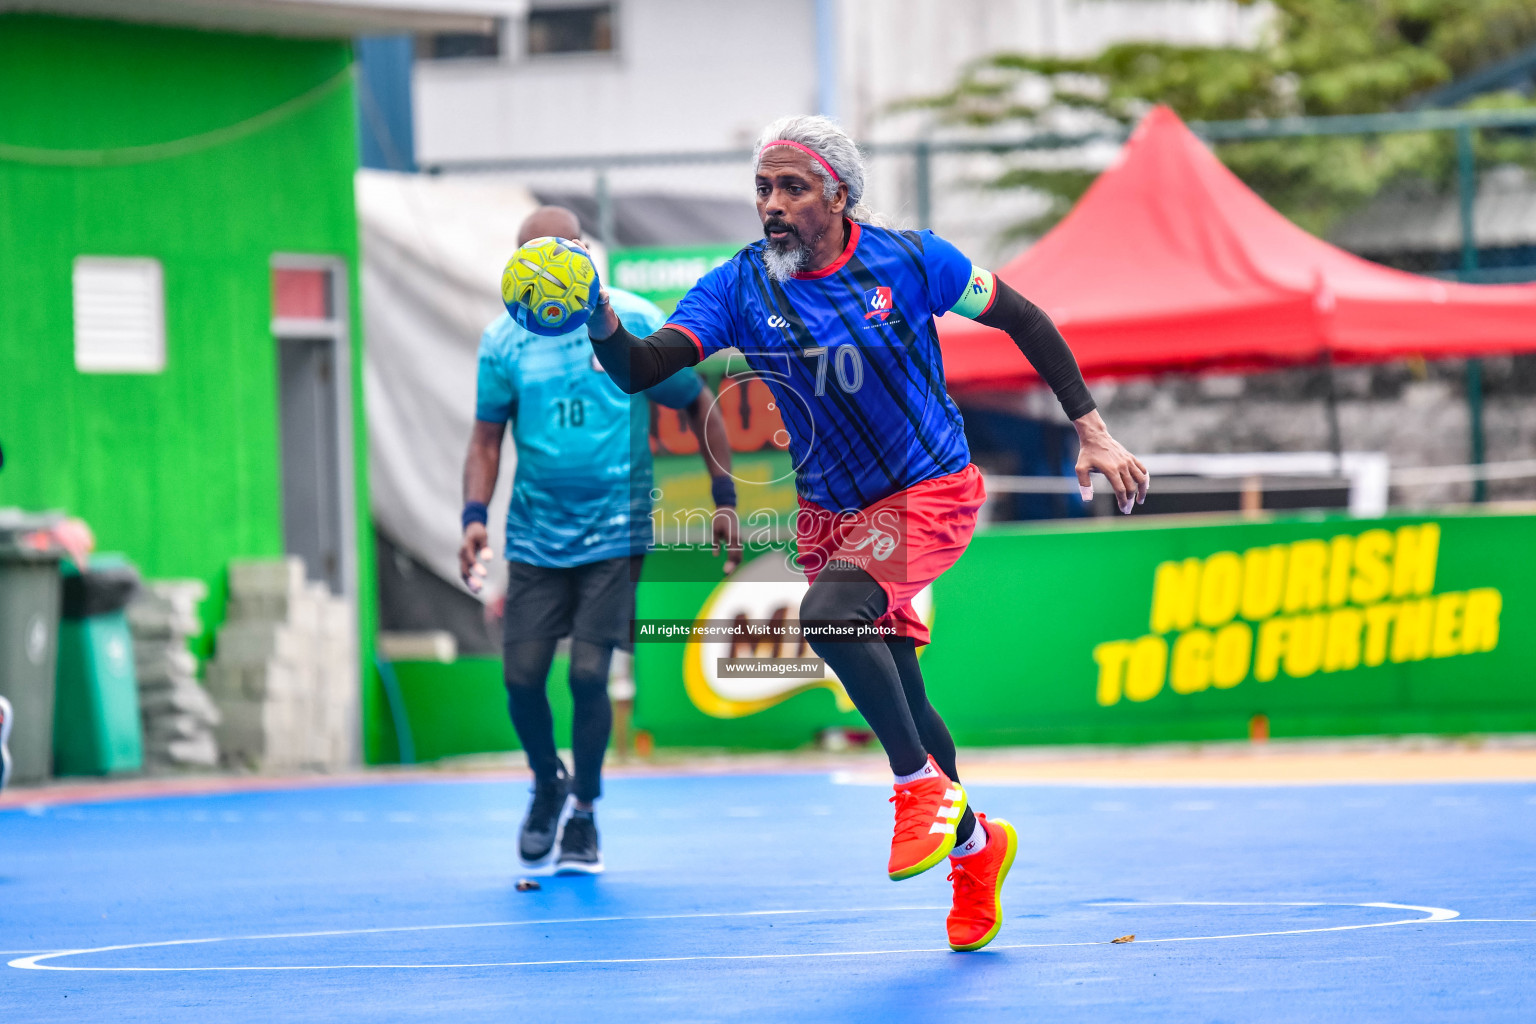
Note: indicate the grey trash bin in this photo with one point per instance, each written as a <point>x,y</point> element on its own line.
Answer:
<point>29,644</point>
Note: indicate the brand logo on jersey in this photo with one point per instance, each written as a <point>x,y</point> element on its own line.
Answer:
<point>880,304</point>
<point>777,321</point>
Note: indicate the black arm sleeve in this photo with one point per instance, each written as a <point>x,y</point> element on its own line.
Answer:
<point>639,363</point>
<point>1043,345</point>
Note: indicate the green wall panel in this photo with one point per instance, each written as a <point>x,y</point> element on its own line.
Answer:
<point>179,469</point>
<point>461,708</point>
<point>1018,620</point>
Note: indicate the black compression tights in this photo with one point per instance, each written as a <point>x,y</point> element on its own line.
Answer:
<point>526,670</point>
<point>882,678</point>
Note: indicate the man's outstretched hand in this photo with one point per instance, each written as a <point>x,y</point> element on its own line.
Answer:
<point>474,553</point>
<point>1098,451</point>
<point>727,537</point>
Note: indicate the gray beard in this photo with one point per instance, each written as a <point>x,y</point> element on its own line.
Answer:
<point>782,264</point>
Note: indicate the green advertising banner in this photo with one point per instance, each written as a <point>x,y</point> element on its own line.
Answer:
<point>1127,631</point>
<point>664,274</point>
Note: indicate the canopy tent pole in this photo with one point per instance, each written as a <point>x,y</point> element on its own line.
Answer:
<point>1466,185</point>
<point>922,183</point>
<point>605,229</point>
<point>1331,399</point>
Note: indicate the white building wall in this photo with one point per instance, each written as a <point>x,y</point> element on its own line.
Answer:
<point>707,74</point>
<point>686,75</point>
<point>897,49</point>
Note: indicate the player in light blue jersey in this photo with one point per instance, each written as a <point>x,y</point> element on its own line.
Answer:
<point>577,531</point>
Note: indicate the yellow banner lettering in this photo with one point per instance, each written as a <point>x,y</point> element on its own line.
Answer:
<point>1273,637</point>
<point>1221,587</point>
<point>1111,658</point>
<point>1340,549</point>
<point>1263,581</point>
<point>1341,649</point>
<point>1378,619</point>
<point>1234,648</point>
<point>1410,633</point>
<point>1304,582</point>
<point>1146,668</point>
<point>1304,652</point>
<point>1191,670</point>
<point>1413,562</point>
<point>1372,573</point>
<point>1480,621</point>
<point>1446,639</point>
<point>1175,589</point>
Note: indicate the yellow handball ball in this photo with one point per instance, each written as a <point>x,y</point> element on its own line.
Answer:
<point>550,286</point>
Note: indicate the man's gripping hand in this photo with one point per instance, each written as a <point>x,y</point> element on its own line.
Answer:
<point>726,530</point>
<point>604,320</point>
<point>474,554</point>
<point>1098,451</point>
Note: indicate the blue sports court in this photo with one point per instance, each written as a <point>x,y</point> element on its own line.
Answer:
<point>763,898</point>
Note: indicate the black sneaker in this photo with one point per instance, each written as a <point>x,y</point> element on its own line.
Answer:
<point>5,742</point>
<point>541,826</point>
<point>579,852</point>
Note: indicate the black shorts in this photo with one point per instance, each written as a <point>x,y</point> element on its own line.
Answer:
<point>593,602</point>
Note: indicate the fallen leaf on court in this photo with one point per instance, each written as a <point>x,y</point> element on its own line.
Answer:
<point>1124,938</point>
<point>529,885</point>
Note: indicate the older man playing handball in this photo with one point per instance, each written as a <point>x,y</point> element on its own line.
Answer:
<point>836,314</point>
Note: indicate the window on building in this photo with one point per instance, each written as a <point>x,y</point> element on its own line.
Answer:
<point>584,29</point>
<point>302,293</point>
<point>119,307</point>
<point>459,45</point>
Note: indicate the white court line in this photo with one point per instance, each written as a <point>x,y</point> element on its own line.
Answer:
<point>36,956</point>
<point>882,780</point>
<point>35,963</point>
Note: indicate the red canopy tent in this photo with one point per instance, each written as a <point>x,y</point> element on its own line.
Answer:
<point>1169,262</point>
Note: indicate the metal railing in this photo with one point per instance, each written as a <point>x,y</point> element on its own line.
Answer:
<point>922,152</point>
<point>1407,476</point>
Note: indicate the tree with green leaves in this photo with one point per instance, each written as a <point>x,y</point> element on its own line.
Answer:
<point>1316,57</point>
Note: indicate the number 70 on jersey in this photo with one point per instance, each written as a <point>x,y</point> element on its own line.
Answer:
<point>847,367</point>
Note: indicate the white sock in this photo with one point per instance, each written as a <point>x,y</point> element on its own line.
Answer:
<point>975,844</point>
<point>926,771</point>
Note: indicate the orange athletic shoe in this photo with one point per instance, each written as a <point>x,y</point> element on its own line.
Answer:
<point>927,810</point>
<point>977,913</point>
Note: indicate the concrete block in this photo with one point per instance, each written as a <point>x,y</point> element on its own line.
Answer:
<point>275,577</point>
<point>257,642</point>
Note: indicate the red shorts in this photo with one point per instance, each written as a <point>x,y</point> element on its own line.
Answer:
<point>905,541</point>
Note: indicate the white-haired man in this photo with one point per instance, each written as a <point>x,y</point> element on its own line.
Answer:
<point>836,314</point>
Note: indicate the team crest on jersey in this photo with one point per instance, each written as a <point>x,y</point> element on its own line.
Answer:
<point>880,304</point>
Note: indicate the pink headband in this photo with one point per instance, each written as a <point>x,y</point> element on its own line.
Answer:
<point>805,149</point>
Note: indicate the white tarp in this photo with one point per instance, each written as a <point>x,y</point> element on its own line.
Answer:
<point>432,254</point>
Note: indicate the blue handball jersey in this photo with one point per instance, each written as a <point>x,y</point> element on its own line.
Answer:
<point>582,491</point>
<point>851,355</point>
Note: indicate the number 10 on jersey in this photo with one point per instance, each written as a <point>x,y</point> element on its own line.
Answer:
<point>570,413</point>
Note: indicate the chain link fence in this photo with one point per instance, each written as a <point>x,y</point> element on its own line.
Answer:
<point>1450,193</point>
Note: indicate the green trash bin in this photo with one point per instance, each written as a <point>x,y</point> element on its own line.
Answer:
<point>29,636</point>
<point>96,728</point>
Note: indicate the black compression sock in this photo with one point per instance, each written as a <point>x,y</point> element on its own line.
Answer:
<point>867,670</point>
<point>967,825</point>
